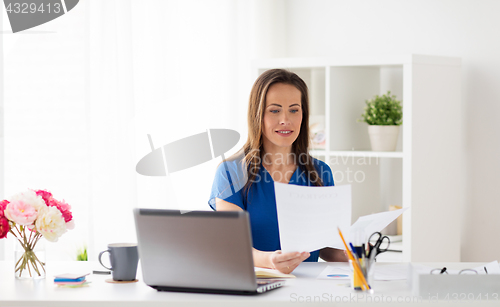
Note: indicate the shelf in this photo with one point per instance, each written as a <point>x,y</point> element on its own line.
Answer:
<point>357,153</point>
<point>427,179</point>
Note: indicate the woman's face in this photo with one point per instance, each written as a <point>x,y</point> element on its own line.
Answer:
<point>282,116</point>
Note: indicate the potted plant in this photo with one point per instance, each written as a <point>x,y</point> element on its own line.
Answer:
<point>383,114</point>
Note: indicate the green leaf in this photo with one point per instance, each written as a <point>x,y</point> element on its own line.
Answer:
<point>382,110</point>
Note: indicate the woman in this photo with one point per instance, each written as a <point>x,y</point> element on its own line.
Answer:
<point>276,151</point>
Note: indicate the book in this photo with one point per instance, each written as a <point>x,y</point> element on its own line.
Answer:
<point>270,273</point>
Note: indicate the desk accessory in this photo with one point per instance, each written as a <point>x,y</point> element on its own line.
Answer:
<point>74,285</point>
<point>70,276</point>
<point>124,258</point>
<point>356,266</point>
<point>112,281</point>
<point>381,244</point>
<point>71,280</point>
<point>446,284</point>
<point>30,216</point>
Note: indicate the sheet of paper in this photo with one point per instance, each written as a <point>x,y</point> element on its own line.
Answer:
<point>382,272</point>
<point>335,272</point>
<point>308,217</point>
<point>491,268</point>
<point>374,222</point>
<point>391,272</point>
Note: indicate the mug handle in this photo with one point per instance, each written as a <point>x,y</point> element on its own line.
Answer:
<point>100,254</point>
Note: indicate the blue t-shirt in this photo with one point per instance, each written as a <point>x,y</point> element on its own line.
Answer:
<point>260,202</point>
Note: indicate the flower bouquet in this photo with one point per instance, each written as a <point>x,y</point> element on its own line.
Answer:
<point>30,216</point>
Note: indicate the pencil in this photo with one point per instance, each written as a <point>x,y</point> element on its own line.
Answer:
<point>355,264</point>
<point>357,269</point>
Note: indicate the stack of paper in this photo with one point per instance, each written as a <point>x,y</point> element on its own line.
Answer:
<point>71,280</point>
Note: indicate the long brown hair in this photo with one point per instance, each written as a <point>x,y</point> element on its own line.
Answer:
<point>253,148</point>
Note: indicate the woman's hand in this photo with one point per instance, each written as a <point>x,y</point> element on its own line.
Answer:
<point>287,262</point>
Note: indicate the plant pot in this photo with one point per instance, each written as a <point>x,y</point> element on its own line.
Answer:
<point>383,138</point>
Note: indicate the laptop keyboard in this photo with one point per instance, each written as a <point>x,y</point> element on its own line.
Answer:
<point>266,285</point>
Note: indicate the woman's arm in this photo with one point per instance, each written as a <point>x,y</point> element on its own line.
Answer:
<point>333,255</point>
<point>283,262</point>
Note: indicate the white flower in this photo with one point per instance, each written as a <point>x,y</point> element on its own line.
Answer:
<point>50,223</point>
<point>30,197</point>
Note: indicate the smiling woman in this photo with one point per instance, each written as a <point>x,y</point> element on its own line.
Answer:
<point>276,151</point>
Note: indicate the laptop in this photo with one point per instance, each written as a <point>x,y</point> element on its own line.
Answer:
<point>198,251</point>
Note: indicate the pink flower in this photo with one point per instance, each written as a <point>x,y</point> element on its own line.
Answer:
<point>29,197</point>
<point>21,212</point>
<point>65,210</point>
<point>4,227</point>
<point>4,222</point>
<point>52,202</point>
<point>46,195</point>
<point>3,204</point>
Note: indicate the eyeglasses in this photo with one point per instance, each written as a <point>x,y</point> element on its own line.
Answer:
<point>443,270</point>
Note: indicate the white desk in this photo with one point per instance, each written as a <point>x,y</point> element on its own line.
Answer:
<point>297,291</point>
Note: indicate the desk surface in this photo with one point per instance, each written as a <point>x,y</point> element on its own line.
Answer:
<point>305,290</point>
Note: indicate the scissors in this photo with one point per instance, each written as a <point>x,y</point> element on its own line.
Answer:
<point>380,242</point>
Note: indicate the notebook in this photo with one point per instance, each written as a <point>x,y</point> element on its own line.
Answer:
<point>198,251</point>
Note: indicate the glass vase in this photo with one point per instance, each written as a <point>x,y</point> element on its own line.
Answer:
<point>29,259</point>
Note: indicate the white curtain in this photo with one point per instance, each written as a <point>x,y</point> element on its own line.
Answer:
<point>83,91</point>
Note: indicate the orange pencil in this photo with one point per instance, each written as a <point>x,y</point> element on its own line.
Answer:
<point>357,269</point>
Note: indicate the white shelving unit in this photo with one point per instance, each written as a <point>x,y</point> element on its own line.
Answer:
<point>426,170</point>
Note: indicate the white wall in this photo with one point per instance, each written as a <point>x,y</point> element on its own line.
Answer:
<point>466,29</point>
<point>82,92</point>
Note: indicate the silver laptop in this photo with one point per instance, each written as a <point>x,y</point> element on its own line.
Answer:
<point>198,251</point>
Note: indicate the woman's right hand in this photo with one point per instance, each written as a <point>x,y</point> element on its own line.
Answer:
<point>287,262</point>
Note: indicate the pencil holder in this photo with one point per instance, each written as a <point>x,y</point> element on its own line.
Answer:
<point>368,273</point>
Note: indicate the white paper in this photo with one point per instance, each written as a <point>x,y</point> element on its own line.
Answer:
<point>391,272</point>
<point>492,268</point>
<point>374,222</point>
<point>308,217</point>
<point>386,272</point>
<point>335,272</point>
